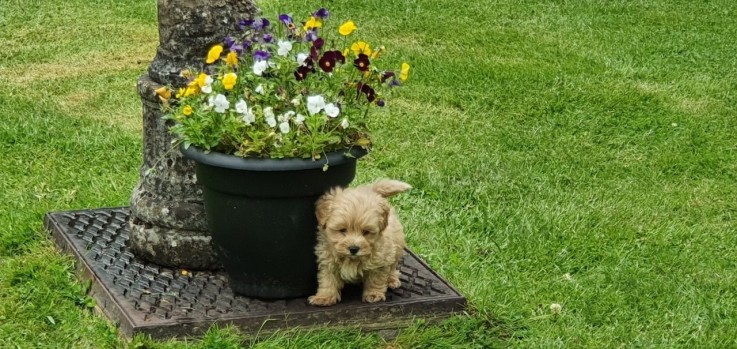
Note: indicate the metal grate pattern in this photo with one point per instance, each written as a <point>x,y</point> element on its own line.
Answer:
<point>165,302</point>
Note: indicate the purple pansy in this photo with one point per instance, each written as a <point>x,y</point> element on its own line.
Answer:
<point>232,45</point>
<point>286,19</point>
<point>261,55</point>
<point>321,13</point>
<point>245,23</point>
<point>260,24</point>
<point>311,35</point>
<point>268,38</point>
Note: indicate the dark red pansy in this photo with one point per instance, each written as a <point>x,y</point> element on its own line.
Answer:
<point>362,62</point>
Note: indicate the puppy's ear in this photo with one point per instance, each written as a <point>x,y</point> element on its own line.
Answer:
<point>324,205</point>
<point>390,187</point>
<point>385,209</point>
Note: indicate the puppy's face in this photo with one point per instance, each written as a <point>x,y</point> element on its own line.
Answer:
<point>353,220</point>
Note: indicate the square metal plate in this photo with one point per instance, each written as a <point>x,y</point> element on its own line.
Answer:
<point>142,297</point>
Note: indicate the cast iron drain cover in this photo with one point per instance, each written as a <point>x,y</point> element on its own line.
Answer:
<point>162,302</point>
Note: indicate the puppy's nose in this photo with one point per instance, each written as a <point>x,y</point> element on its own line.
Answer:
<point>353,249</point>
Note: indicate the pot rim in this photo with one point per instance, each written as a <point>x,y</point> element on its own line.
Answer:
<point>217,159</point>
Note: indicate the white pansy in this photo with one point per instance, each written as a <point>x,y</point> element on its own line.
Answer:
<point>315,104</point>
<point>344,123</point>
<point>284,127</point>
<point>301,58</point>
<point>332,110</point>
<point>208,85</point>
<point>270,121</point>
<point>221,103</point>
<point>269,116</point>
<point>241,107</point>
<point>286,116</point>
<point>299,119</point>
<point>268,112</point>
<point>284,48</point>
<point>296,101</point>
<point>259,67</point>
<point>249,117</point>
<point>260,89</point>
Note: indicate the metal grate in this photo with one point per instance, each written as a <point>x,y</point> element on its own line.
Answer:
<point>165,302</point>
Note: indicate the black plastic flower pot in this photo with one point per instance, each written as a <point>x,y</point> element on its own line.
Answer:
<point>261,214</point>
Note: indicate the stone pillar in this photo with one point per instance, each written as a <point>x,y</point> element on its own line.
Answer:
<point>168,225</point>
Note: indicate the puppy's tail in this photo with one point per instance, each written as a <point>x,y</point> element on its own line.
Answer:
<point>390,187</point>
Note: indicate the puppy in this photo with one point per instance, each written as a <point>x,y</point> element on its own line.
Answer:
<point>360,240</point>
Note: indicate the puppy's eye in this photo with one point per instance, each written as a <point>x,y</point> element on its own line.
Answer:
<point>343,231</point>
<point>367,232</point>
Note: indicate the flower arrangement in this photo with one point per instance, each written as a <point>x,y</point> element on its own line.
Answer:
<point>283,89</point>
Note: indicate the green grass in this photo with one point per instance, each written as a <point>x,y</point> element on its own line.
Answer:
<point>589,139</point>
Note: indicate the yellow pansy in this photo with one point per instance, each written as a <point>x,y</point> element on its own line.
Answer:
<point>347,28</point>
<point>163,92</point>
<point>229,81</point>
<point>312,23</point>
<point>180,92</point>
<point>187,110</point>
<point>214,53</point>
<point>359,47</point>
<point>201,80</point>
<point>405,72</point>
<point>191,91</point>
<point>378,52</point>
<point>231,59</point>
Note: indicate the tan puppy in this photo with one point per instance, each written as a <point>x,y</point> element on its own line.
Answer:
<point>360,240</point>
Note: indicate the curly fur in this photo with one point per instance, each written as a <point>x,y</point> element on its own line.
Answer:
<point>360,240</point>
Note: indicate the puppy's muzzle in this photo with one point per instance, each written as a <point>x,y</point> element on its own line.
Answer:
<point>353,250</point>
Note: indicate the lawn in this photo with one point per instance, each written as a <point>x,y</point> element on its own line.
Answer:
<point>579,153</point>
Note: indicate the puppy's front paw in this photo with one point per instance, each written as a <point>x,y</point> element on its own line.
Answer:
<point>323,300</point>
<point>394,282</point>
<point>373,297</point>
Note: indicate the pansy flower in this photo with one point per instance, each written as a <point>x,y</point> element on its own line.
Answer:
<point>386,76</point>
<point>287,20</point>
<point>311,35</point>
<point>261,55</point>
<point>229,81</point>
<point>360,47</point>
<point>259,67</point>
<point>404,74</point>
<point>214,54</point>
<point>318,43</point>
<point>362,62</point>
<point>284,46</point>
<point>268,38</point>
<point>260,24</point>
<point>312,23</point>
<point>322,13</point>
<point>301,73</point>
<point>329,59</point>
<point>367,90</point>
<point>245,23</point>
<point>347,28</point>
<point>231,59</point>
